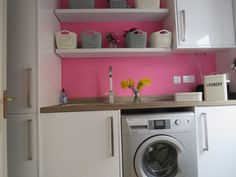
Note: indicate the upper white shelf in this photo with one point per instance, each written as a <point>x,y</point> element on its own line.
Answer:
<point>106,15</point>
<point>112,52</point>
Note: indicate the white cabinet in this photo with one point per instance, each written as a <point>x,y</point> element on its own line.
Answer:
<point>201,24</point>
<point>33,68</point>
<point>216,141</point>
<point>33,77</point>
<point>22,145</point>
<point>80,144</point>
<point>22,55</point>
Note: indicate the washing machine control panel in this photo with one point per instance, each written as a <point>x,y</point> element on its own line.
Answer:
<point>159,124</point>
<point>172,124</point>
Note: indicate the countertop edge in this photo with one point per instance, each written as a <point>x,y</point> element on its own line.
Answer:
<point>130,106</point>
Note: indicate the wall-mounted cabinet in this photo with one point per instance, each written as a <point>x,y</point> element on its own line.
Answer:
<point>194,25</point>
<point>200,24</point>
<point>111,15</point>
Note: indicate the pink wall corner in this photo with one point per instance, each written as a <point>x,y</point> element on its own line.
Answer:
<point>89,77</point>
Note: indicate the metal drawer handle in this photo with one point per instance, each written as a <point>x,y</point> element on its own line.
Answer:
<point>112,137</point>
<point>183,30</point>
<point>206,148</point>
<point>28,86</point>
<point>29,133</point>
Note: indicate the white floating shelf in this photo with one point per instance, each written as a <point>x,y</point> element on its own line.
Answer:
<point>112,52</point>
<point>106,15</point>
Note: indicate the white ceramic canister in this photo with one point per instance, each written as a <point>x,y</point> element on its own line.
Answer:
<point>160,39</point>
<point>215,87</point>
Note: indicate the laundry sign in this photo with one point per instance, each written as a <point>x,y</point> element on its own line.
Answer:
<point>215,87</point>
<point>214,84</point>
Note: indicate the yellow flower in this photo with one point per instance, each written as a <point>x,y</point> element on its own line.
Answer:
<point>141,83</point>
<point>127,83</point>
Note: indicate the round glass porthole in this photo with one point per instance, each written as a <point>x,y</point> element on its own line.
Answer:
<point>160,160</point>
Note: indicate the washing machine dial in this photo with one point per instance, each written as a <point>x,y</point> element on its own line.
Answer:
<point>177,122</point>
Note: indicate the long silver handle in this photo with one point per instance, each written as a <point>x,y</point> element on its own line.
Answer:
<point>112,137</point>
<point>28,87</point>
<point>206,148</point>
<point>29,133</point>
<point>183,30</point>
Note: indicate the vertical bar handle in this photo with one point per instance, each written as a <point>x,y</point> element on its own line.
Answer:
<point>206,148</point>
<point>29,146</point>
<point>183,27</point>
<point>28,86</point>
<point>112,136</point>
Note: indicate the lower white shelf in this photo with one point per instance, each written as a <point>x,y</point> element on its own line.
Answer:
<point>112,52</point>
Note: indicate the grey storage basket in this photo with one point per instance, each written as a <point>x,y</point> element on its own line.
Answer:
<point>117,3</point>
<point>81,4</point>
<point>136,39</point>
<point>91,39</point>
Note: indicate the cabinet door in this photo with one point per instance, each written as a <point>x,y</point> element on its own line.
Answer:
<point>204,23</point>
<point>3,59</point>
<point>22,54</point>
<point>80,144</point>
<point>22,145</point>
<point>216,141</point>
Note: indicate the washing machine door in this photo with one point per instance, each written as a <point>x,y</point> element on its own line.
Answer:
<point>160,156</point>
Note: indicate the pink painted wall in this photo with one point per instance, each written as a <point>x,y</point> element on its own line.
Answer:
<point>88,77</point>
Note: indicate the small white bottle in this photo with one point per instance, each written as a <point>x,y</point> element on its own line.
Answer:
<point>63,97</point>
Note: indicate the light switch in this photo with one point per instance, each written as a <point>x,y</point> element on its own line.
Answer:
<point>177,80</point>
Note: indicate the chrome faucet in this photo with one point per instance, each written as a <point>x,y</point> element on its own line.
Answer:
<point>110,78</point>
<point>111,93</point>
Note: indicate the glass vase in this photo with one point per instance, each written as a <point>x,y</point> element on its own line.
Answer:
<point>113,45</point>
<point>137,97</point>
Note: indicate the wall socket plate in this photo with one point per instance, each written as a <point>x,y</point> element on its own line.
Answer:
<point>189,79</point>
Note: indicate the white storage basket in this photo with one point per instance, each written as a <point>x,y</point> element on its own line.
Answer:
<point>160,39</point>
<point>147,4</point>
<point>66,40</point>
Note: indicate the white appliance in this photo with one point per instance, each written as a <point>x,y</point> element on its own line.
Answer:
<point>159,145</point>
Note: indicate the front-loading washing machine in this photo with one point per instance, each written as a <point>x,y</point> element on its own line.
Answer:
<point>159,145</point>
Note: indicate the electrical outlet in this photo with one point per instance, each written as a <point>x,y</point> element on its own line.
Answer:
<point>177,80</point>
<point>189,79</point>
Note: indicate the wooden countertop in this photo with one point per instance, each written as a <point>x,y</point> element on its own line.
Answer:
<point>128,105</point>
